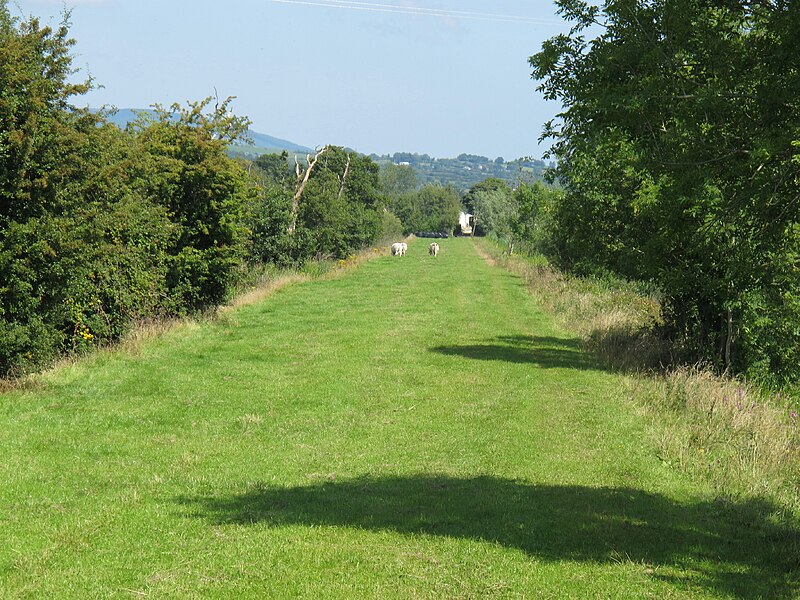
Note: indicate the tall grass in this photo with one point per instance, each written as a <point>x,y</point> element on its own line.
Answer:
<point>740,438</point>
<point>728,432</point>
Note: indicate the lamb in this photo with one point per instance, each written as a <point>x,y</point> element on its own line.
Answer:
<point>433,249</point>
<point>397,249</point>
<point>405,248</point>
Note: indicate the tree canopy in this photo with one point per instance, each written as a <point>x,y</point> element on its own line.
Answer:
<point>678,149</point>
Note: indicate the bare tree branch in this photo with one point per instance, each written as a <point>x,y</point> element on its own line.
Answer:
<point>343,178</point>
<point>300,185</point>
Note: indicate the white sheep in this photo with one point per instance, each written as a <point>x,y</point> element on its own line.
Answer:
<point>405,248</point>
<point>397,249</point>
<point>433,249</point>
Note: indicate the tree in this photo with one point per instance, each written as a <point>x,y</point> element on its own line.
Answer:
<point>37,122</point>
<point>205,193</point>
<point>473,158</point>
<point>408,209</point>
<point>490,184</point>
<point>439,207</point>
<point>398,179</point>
<point>303,175</point>
<point>341,207</point>
<point>678,149</point>
<point>274,168</point>
<point>494,210</point>
<point>532,229</point>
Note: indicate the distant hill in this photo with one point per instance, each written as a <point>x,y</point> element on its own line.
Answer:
<point>262,143</point>
<point>262,140</point>
<point>465,170</point>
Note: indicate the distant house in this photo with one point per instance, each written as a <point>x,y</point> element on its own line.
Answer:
<point>465,223</point>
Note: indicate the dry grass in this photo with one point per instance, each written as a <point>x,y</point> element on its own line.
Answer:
<point>730,432</point>
<point>17,383</point>
<point>145,331</point>
<point>263,290</point>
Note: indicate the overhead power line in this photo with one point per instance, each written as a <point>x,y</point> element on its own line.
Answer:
<point>419,11</point>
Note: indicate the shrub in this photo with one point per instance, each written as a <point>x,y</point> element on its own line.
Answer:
<point>206,195</point>
<point>391,228</point>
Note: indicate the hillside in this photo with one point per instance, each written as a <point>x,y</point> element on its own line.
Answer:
<point>466,170</point>
<point>262,143</point>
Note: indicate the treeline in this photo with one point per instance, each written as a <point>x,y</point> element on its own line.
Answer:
<point>520,216</point>
<point>466,170</point>
<point>678,150</point>
<point>101,227</point>
<point>429,207</point>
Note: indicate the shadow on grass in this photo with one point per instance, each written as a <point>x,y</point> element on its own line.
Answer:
<point>545,352</point>
<point>736,549</point>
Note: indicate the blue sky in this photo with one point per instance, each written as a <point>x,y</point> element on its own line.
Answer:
<point>431,76</point>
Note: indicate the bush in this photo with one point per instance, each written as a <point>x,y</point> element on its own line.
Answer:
<point>770,344</point>
<point>206,194</point>
<point>391,228</point>
<point>100,227</point>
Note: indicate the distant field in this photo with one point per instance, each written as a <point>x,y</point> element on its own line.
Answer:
<point>414,428</point>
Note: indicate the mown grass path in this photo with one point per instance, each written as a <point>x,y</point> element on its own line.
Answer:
<point>413,428</point>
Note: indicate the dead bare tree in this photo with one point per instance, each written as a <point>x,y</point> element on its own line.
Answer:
<point>300,185</point>
<point>343,178</point>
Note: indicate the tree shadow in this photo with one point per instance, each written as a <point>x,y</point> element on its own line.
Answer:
<point>738,549</point>
<point>544,352</point>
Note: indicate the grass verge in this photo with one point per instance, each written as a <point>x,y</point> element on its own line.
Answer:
<point>745,442</point>
<point>256,284</point>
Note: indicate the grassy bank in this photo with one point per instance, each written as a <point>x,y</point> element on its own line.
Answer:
<point>415,428</point>
<point>742,440</point>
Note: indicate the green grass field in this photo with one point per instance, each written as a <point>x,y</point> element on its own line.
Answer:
<point>414,428</point>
